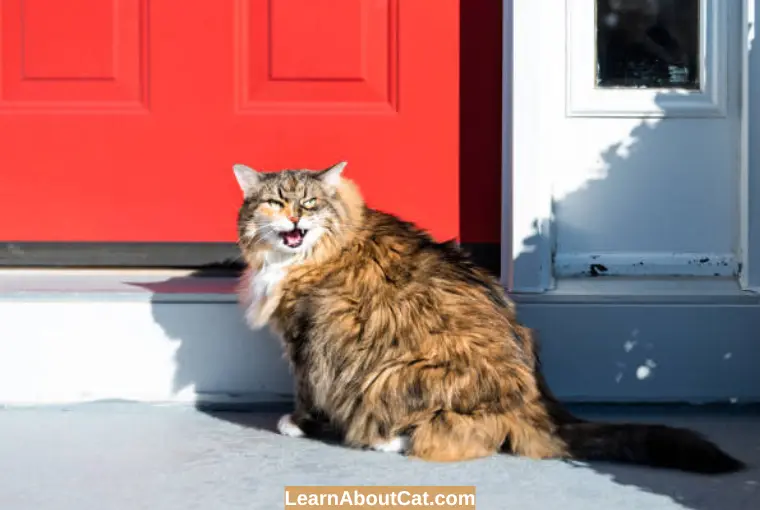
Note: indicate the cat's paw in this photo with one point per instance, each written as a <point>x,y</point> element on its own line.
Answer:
<point>286,427</point>
<point>399,444</point>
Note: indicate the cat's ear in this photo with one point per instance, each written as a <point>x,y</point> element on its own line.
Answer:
<point>331,176</point>
<point>247,178</point>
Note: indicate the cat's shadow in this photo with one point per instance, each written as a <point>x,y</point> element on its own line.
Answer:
<point>216,353</point>
<point>233,374</point>
<point>266,417</point>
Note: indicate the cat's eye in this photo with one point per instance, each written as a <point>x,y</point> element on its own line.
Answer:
<point>309,204</point>
<point>274,204</point>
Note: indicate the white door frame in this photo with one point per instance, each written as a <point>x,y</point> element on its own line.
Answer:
<point>626,339</point>
<point>526,197</point>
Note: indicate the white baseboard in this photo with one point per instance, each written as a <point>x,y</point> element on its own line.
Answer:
<point>648,340</point>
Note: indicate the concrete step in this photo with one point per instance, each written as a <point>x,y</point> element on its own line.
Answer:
<point>150,336</point>
<point>167,336</point>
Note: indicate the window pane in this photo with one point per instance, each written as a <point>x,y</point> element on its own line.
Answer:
<point>647,43</point>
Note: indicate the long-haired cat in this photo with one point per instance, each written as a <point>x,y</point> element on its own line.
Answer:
<point>401,344</point>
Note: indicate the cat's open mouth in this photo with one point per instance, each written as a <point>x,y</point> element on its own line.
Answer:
<point>293,238</point>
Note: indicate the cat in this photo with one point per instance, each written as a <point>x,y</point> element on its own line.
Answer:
<point>402,344</point>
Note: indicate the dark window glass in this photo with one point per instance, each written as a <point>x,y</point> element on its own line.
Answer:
<point>648,43</point>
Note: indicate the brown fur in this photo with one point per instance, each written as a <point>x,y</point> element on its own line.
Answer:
<point>390,333</point>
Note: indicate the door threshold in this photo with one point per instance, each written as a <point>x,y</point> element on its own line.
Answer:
<point>659,290</point>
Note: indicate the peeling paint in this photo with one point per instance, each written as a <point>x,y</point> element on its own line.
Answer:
<point>635,263</point>
<point>643,372</point>
<point>597,269</point>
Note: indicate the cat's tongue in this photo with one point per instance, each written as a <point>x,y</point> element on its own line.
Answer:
<point>293,238</point>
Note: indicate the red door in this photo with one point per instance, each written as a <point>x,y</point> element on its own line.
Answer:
<point>120,120</point>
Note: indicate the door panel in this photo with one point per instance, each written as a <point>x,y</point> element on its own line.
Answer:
<point>347,58</point>
<point>120,121</point>
<point>77,57</point>
<point>634,140</point>
<point>652,177</point>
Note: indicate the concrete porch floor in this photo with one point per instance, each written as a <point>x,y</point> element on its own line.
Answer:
<point>114,456</point>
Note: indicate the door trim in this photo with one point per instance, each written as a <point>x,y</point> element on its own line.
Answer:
<point>116,254</point>
<point>585,100</point>
<point>749,179</point>
<point>207,258</point>
<point>527,237</point>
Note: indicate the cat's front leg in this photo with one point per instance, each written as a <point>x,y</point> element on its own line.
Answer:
<point>367,431</point>
<point>290,425</point>
<point>301,424</point>
<point>304,420</point>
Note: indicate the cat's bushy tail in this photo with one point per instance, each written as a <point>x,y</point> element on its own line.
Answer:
<point>652,445</point>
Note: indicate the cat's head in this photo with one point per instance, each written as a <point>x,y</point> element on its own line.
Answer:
<point>290,211</point>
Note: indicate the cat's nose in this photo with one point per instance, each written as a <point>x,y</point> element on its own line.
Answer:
<point>294,219</point>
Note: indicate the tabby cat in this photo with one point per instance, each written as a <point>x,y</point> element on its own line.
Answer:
<point>402,345</point>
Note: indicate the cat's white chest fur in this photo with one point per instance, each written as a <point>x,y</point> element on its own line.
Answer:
<point>261,289</point>
<point>266,281</point>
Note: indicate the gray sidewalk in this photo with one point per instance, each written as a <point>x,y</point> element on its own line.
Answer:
<point>124,456</point>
